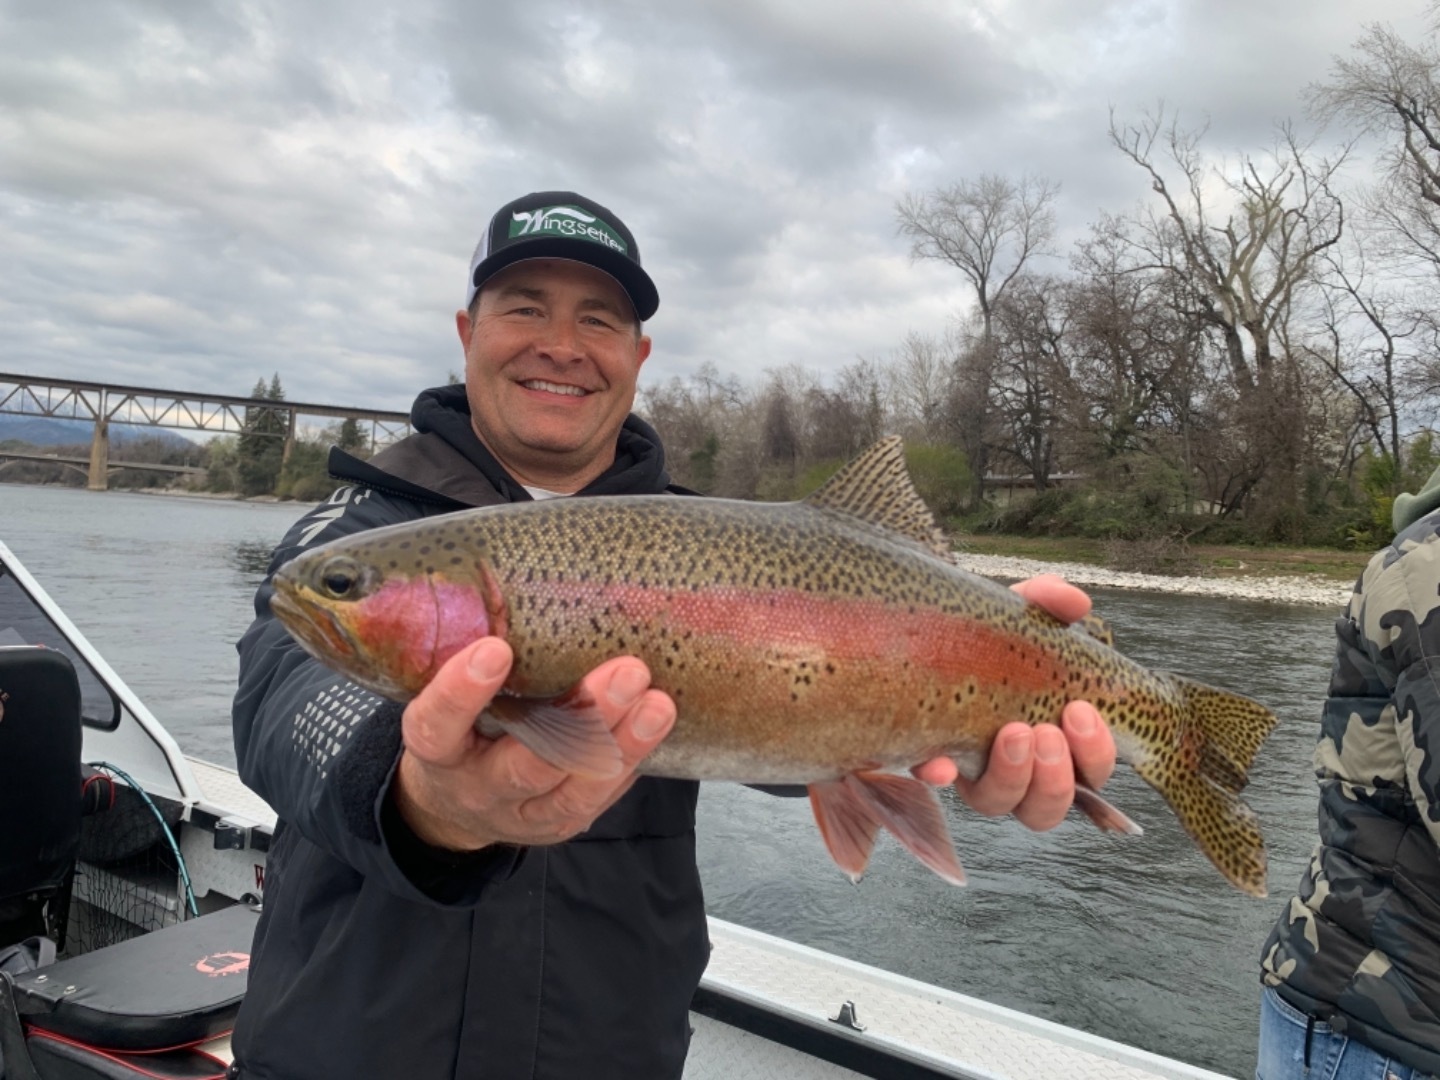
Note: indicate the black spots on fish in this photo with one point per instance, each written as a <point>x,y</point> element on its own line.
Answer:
<point>404,545</point>
<point>449,545</point>
<point>829,668</point>
<point>456,560</point>
<point>394,565</point>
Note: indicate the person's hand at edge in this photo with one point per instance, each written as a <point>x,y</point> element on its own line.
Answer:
<point>459,790</point>
<point>1032,771</point>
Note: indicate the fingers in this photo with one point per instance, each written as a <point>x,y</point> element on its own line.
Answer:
<point>573,804</point>
<point>1032,771</point>
<point>510,772</point>
<point>1029,775</point>
<point>1092,746</point>
<point>460,789</point>
<point>1007,777</point>
<point>1055,595</point>
<point>439,724</point>
<point>937,771</point>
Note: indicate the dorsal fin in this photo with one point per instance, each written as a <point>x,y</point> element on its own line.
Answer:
<point>876,488</point>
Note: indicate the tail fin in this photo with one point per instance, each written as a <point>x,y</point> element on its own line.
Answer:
<point>1201,773</point>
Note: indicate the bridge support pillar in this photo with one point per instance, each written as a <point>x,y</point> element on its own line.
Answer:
<point>289,441</point>
<point>99,475</point>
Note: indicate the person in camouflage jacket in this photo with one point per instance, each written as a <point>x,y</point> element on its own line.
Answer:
<point>1352,969</point>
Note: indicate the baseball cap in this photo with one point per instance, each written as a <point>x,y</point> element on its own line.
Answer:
<point>562,225</point>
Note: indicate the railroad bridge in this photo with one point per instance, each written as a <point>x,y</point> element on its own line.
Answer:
<point>104,404</point>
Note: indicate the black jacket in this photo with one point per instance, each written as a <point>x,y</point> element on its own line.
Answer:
<point>377,956</point>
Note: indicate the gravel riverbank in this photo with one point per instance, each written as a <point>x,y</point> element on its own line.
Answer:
<point>1311,591</point>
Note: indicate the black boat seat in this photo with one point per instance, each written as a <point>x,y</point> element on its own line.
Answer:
<point>138,1008</point>
<point>40,789</point>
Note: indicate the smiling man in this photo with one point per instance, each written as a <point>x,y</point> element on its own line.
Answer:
<point>552,352</point>
<point>443,905</point>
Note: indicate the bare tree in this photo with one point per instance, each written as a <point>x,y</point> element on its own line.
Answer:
<point>988,229</point>
<point>1032,373</point>
<point>920,378</point>
<point>1247,259</point>
<point>851,416</point>
<point>1365,346</point>
<point>1390,87</point>
<point>697,418</point>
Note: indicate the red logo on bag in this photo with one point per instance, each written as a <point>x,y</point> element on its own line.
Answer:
<point>223,963</point>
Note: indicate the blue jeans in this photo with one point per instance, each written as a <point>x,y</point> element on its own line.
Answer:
<point>1332,1056</point>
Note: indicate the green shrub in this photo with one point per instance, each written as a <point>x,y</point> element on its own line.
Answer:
<point>941,475</point>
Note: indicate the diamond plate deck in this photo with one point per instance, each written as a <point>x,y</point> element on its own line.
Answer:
<point>952,1033</point>
<point>227,796</point>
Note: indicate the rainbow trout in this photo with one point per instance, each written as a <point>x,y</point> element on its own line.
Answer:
<point>830,642</point>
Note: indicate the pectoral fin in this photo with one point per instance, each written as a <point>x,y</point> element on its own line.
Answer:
<point>851,810</point>
<point>565,731</point>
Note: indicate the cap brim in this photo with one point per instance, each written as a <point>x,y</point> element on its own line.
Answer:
<point>632,278</point>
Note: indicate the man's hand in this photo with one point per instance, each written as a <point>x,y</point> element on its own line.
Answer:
<point>457,789</point>
<point>1032,771</point>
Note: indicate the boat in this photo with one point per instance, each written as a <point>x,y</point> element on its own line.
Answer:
<point>132,876</point>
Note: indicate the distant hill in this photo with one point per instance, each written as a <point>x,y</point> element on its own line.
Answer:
<point>48,431</point>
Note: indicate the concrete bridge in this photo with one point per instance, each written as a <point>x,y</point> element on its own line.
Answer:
<point>82,465</point>
<point>214,414</point>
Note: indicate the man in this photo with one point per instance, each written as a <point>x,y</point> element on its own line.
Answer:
<point>1352,968</point>
<point>442,905</point>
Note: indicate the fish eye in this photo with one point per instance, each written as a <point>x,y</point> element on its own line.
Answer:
<point>339,578</point>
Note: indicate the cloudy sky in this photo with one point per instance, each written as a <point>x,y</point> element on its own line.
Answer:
<point>197,194</point>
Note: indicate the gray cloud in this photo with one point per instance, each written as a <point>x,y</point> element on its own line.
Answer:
<point>200,194</point>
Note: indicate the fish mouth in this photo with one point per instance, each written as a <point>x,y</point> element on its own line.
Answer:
<point>312,624</point>
<point>324,636</point>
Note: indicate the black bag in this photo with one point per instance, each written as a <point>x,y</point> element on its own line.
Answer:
<point>27,955</point>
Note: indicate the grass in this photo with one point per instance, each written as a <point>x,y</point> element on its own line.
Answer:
<point>1214,560</point>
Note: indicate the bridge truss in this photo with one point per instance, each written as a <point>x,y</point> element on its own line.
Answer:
<point>213,414</point>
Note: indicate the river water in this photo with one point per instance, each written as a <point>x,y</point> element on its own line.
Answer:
<point>1134,938</point>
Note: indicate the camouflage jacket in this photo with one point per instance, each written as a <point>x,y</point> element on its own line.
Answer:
<point>1359,946</point>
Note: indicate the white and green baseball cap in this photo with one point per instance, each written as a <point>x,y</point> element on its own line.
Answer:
<point>563,225</point>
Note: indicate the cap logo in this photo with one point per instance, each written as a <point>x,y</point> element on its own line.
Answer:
<point>568,221</point>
